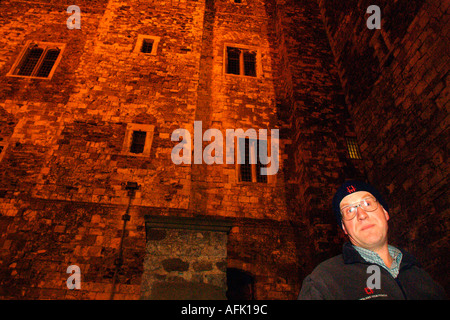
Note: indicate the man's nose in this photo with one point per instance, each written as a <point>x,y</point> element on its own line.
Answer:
<point>361,214</point>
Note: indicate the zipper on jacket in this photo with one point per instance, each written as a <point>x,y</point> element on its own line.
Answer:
<point>400,286</point>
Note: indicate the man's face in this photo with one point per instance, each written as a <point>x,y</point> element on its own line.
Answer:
<point>367,229</point>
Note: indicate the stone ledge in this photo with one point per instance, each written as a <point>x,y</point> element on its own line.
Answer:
<point>198,223</point>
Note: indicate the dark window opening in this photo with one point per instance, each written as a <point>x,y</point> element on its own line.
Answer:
<point>37,61</point>
<point>147,46</point>
<point>251,172</point>
<point>138,142</point>
<point>250,64</point>
<point>241,62</point>
<point>30,61</point>
<point>48,63</point>
<point>233,60</point>
<point>246,167</point>
<point>259,176</point>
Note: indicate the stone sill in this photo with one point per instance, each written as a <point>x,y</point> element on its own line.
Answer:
<point>200,224</point>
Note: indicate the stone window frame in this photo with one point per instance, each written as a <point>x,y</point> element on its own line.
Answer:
<point>131,127</point>
<point>45,46</point>
<point>140,41</point>
<point>271,179</point>
<point>258,64</point>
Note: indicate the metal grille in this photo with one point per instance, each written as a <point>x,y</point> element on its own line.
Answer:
<point>147,46</point>
<point>138,142</point>
<point>262,147</point>
<point>30,61</point>
<point>259,176</point>
<point>233,60</point>
<point>250,64</point>
<point>48,63</point>
<point>353,148</point>
<point>246,167</point>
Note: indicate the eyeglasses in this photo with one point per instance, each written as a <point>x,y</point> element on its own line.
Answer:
<point>367,204</point>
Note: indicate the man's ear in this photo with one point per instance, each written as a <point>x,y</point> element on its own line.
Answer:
<point>386,214</point>
<point>343,228</point>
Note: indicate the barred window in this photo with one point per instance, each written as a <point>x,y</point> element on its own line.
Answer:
<point>353,148</point>
<point>147,46</point>
<point>138,140</point>
<point>248,171</point>
<point>233,65</point>
<point>37,60</point>
<point>246,167</point>
<point>241,61</point>
<point>250,64</point>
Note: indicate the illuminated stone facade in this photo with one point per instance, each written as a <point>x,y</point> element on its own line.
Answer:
<point>67,141</point>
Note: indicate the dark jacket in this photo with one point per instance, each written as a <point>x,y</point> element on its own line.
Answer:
<point>344,277</point>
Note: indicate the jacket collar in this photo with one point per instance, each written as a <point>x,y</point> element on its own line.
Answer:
<point>350,255</point>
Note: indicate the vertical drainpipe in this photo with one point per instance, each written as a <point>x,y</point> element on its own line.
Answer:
<point>118,262</point>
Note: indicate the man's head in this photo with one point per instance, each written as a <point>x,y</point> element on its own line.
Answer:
<point>362,213</point>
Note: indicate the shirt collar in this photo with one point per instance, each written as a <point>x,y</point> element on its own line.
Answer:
<point>350,255</point>
<point>372,257</point>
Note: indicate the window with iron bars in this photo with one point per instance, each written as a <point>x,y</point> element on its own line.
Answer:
<point>37,60</point>
<point>241,61</point>
<point>147,45</point>
<point>138,140</point>
<point>248,171</point>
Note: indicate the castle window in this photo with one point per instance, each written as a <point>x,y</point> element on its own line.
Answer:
<point>37,60</point>
<point>138,139</point>
<point>241,61</point>
<point>250,169</point>
<point>353,148</point>
<point>147,44</point>
<point>233,66</point>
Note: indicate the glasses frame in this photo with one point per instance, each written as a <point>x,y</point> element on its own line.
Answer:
<point>359,204</point>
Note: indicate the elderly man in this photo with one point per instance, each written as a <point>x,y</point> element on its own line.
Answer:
<point>368,268</point>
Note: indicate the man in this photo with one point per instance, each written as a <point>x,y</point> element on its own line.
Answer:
<point>368,268</point>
